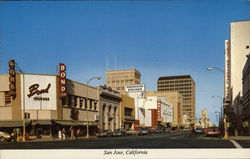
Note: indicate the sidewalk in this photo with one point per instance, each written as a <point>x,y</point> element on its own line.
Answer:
<point>57,139</point>
<point>239,137</point>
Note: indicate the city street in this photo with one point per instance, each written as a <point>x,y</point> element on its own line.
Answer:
<point>165,141</point>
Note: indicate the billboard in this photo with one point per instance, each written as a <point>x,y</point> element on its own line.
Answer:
<point>39,92</point>
<point>135,88</point>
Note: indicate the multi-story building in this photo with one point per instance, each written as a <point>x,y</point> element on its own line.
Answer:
<point>138,93</point>
<point>109,109</point>
<point>118,79</point>
<point>246,98</point>
<point>236,52</point>
<point>127,112</point>
<point>158,112</point>
<point>174,98</point>
<point>37,101</point>
<point>185,85</point>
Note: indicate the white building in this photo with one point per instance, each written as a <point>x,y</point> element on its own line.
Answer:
<point>157,110</point>
<point>239,48</point>
<point>138,93</point>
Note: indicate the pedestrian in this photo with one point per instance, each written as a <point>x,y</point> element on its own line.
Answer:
<point>72,136</point>
<point>60,134</point>
<point>63,134</point>
<point>78,132</point>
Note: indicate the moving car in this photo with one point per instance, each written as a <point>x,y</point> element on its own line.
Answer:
<point>4,136</point>
<point>213,131</point>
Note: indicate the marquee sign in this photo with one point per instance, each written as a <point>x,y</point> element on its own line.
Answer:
<point>62,80</point>
<point>12,78</point>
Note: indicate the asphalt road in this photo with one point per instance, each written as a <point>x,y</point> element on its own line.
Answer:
<point>166,141</point>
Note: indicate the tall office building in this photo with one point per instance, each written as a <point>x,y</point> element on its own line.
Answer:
<point>239,48</point>
<point>185,85</point>
<point>118,79</point>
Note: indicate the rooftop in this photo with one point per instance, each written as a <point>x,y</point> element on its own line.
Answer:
<point>175,77</point>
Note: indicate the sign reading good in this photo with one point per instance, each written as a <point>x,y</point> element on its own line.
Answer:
<point>135,88</point>
<point>33,89</point>
<point>159,110</point>
<point>12,78</point>
<point>62,80</point>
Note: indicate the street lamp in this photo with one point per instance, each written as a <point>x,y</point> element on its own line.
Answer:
<point>87,134</point>
<point>225,116</point>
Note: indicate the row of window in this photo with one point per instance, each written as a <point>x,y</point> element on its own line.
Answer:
<point>80,102</point>
<point>174,81</point>
<point>174,85</point>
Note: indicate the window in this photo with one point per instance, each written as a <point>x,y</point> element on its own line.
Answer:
<point>7,98</point>
<point>90,104</point>
<point>63,101</point>
<point>75,101</point>
<point>69,100</point>
<point>128,111</point>
<point>81,102</point>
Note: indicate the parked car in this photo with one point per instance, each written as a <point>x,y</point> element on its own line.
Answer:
<point>144,131</point>
<point>198,130</point>
<point>213,131</point>
<point>186,129</point>
<point>120,132</point>
<point>4,136</point>
<point>133,132</point>
<point>105,133</point>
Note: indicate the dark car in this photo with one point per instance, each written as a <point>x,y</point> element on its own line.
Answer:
<point>144,131</point>
<point>198,130</point>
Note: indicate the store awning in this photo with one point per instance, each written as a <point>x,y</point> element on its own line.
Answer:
<point>13,123</point>
<point>74,123</point>
<point>41,122</point>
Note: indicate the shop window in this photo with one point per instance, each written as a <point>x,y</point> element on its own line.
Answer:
<point>7,98</point>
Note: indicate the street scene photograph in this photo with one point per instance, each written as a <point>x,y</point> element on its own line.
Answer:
<point>125,78</point>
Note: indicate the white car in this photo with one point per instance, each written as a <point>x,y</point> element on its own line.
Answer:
<point>4,136</point>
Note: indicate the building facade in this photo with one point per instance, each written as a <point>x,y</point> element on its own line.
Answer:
<point>174,98</point>
<point>109,109</point>
<point>236,52</point>
<point>185,85</point>
<point>118,79</point>
<point>246,98</point>
<point>37,101</point>
<point>127,112</point>
<point>159,112</point>
<point>204,119</point>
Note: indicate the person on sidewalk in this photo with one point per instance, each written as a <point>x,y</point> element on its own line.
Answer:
<point>78,132</point>
<point>60,134</point>
<point>63,134</point>
<point>72,132</point>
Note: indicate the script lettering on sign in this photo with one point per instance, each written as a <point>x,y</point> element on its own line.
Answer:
<point>33,89</point>
<point>12,78</point>
<point>62,80</point>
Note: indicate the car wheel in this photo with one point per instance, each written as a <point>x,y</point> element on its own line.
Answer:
<point>2,139</point>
